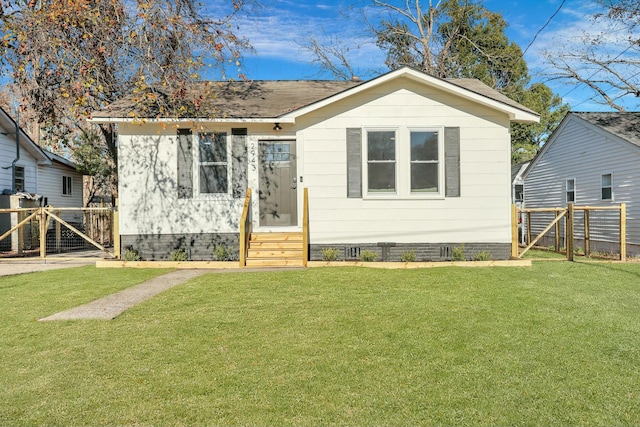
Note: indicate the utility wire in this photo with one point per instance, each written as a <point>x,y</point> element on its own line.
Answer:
<point>600,69</point>
<point>544,26</point>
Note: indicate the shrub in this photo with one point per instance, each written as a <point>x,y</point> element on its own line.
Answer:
<point>458,253</point>
<point>222,253</point>
<point>408,256</point>
<point>131,255</point>
<point>482,256</point>
<point>330,254</point>
<point>179,255</point>
<point>368,256</point>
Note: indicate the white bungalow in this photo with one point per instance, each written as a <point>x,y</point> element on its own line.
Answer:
<point>403,162</point>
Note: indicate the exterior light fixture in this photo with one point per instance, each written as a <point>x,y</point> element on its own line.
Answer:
<point>277,127</point>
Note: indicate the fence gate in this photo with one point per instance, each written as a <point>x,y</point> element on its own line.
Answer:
<point>59,232</point>
<point>584,230</point>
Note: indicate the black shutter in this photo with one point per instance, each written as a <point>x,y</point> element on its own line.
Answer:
<point>452,161</point>
<point>354,162</point>
<point>185,164</point>
<point>239,162</point>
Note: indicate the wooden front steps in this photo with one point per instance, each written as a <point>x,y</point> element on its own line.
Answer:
<point>275,250</point>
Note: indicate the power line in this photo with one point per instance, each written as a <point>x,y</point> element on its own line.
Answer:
<point>600,69</point>
<point>544,26</point>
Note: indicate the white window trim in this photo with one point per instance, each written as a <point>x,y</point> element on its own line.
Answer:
<point>603,187</point>
<point>403,164</point>
<point>197,195</point>
<point>566,190</point>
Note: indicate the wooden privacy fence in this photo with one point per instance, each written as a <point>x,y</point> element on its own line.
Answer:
<point>46,230</point>
<point>574,229</point>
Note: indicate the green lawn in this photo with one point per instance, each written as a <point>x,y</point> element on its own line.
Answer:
<point>554,344</point>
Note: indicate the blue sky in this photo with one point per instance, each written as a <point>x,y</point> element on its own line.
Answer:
<point>280,26</point>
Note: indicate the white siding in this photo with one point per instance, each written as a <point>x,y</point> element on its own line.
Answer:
<point>148,174</point>
<point>481,214</point>
<point>148,194</point>
<point>583,152</point>
<point>7,155</point>
<point>50,178</point>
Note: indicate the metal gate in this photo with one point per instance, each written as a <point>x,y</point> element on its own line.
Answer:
<point>51,232</point>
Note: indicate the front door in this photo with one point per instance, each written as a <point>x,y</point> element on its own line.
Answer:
<point>278,183</point>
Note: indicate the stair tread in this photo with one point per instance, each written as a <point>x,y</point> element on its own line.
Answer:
<point>273,262</point>
<point>263,237</point>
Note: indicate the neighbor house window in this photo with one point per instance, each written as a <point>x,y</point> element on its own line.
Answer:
<point>381,161</point>
<point>571,190</point>
<point>518,193</point>
<point>213,163</point>
<point>66,185</point>
<point>18,180</point>
<point>424,161</point>
<point>607,193</point>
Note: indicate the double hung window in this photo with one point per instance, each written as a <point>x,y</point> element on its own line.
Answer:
<point>403,162</point>
<point>213,163</point>
<point>67,185</point>
<point>571,190</point>
<point>18,179</point>
<point>424,161</point>
<point>606,188</point>
<point>381,161</point>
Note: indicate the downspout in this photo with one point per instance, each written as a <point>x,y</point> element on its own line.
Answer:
<point>13,164</point>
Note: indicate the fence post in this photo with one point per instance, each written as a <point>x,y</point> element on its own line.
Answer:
<point>623,231</point>
<point>528,228</point>
<point>42,216</point>
<point>587,234</point>
<point>514,231</point>
<point>20,234</point>
<point>557,233</point>
<point>569,237</point>
<point>116,230</point>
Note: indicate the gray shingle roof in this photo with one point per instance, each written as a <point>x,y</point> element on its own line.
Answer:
<point>262,99</point>
<point>623,125</point>
<point>475,85</point>
<point>239,99</point>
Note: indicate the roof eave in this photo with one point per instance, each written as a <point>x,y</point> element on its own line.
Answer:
<point>142,120</point>
<point>515,114</point>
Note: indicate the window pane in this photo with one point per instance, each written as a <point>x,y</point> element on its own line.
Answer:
<point>382,177</point>
<point>424,146</point>
<point>571,196</point>
<point>213,179</point>
<point>606,193</point>
<point>381,145</point>
<point>277,153</point>
<point>424,177</point>
<point>570,185</point>
<point>213,147</point>
<point>606,180</point>
<point>519,192</point>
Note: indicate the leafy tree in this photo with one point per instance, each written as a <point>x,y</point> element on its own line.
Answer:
<point>606,62</point>
<point>67,58</point>
<point>462,39</point>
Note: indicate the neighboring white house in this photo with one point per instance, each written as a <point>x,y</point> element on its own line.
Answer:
<point>405,161</point>
<point>591,159</point>
<point>31,176</point>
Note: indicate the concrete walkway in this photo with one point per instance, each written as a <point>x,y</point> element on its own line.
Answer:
<point>22,266</point>
<point>111,306</point>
